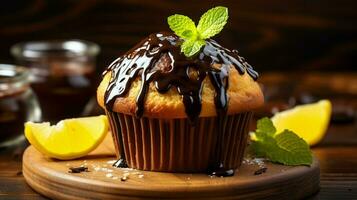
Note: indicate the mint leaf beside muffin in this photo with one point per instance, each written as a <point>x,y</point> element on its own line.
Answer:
<point>286,147</point>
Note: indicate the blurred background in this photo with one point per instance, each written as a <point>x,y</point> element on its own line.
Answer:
<point>304,50</point>
<point>273,35</point>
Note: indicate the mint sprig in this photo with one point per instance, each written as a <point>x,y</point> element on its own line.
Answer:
<point>182,25</point>
<point>191,47</point>
<point>210,24</point>
<point>286,147</point>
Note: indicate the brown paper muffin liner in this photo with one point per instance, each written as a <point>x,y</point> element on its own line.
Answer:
<point>174,145</point>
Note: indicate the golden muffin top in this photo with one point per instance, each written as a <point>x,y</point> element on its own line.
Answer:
<point>155,79</point>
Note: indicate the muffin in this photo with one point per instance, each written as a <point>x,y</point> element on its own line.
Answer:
<point>172,113</point>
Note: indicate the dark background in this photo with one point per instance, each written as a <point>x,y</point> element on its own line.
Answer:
<point>273,35</point>
<point>292,43</point>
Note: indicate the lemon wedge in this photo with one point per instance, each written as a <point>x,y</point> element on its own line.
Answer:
<point>309,121</point>
<point>68,139</point>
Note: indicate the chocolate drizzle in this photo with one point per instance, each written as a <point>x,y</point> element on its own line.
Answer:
<point>158,59</point>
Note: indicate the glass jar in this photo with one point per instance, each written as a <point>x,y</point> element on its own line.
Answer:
<point>18,104</point>
<point>62,75</point>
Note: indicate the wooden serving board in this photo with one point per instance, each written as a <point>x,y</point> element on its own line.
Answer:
<point>52,179</point>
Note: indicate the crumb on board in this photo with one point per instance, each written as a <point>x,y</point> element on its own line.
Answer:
<point>260,171</point>
<point>78,169</point>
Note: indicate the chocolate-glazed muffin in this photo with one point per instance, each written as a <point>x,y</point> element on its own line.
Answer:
<point>172,113</point>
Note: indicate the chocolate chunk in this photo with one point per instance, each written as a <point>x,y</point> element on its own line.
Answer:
<point>260,171</point>
<point>78,169</point>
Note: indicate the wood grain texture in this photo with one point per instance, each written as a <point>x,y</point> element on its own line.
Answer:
<point>51,178</point>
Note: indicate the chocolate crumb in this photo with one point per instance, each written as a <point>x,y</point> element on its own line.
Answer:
<point>78,169</point>
<point>260,171</point>
<point>19,173</point>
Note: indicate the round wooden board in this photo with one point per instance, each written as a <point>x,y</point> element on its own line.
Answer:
<point>52,179</point>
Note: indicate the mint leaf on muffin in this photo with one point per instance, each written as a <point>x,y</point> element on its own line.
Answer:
<point>286,147</point>
<point>182,25</point>
<point>210,24</point>
<point>191,47</point>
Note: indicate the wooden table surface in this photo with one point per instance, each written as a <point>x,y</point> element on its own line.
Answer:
<point>338,172</point>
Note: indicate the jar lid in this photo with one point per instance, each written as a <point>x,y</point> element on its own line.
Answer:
<point>67,48</point>
<point>13,76</point>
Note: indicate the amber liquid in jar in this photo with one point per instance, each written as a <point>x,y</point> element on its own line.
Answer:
<point>18,104</point>
<point>13,114</point>
<point>65,92</point>
<point>62,75</point>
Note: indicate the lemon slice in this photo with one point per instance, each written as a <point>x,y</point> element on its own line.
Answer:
<point>68,139</point>
<point>309,121</point>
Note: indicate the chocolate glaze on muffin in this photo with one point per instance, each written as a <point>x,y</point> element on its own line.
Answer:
<point>154,79</point>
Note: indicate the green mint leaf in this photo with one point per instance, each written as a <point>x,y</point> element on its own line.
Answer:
<point>265,125</point>
<point>258,148</point>
<point>212,22</point>
<point>291,150</point>
<point>263,145</point>
<point>182,25</point>
<point>191,47</point>
<point>187,34</point>
<point>286,148</point>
